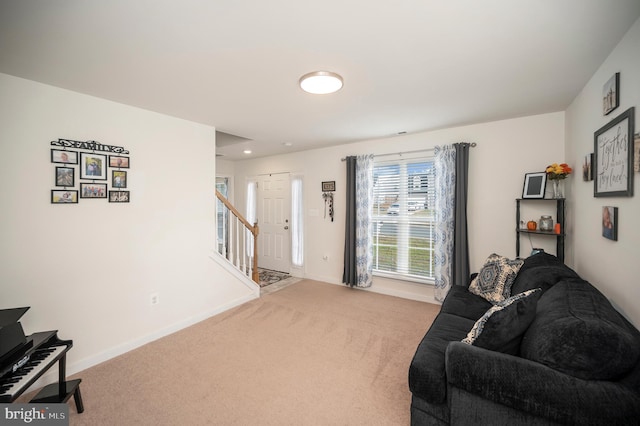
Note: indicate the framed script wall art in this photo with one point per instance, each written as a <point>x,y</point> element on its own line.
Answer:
<point>613,159</point>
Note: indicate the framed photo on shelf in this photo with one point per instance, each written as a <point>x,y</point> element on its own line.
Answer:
<point>119,162</point>
<point>64,156</point>
<point>93,166</point>
<point>610,222</point>
<point>93,190</point>
<point>63,196</point>
<point>534,185</point>
<point>118,179</point>
<point>118,196</point>
<point>65,176</point>
<point>613,157</point>
<point>611,94</point>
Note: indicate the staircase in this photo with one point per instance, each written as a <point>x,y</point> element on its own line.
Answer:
<point>239,243</point>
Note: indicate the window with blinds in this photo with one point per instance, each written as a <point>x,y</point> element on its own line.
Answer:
<point>403,218</point>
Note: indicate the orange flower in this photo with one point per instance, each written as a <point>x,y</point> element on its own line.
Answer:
<point>558,171</point>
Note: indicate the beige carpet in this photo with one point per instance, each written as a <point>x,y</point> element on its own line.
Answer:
<point>310,354</point>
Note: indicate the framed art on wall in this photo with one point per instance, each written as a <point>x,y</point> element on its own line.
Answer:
<point>63,156</point>
<point>93,190</point>
<point>329,186</point>
<point>611,94</point>
<point>534,185</point>
<point>118,196</point>
<point>59,196</point>
<point>65,176</point>
<point>118,179</point>
<point>587,168</point>
<point>93,166</point>
<point>636,152</point>
<point>610,222</point>
<point>119,161</point>
<point>613,157</point>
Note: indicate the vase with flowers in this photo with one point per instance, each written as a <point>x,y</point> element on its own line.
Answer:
<point>557,173</point>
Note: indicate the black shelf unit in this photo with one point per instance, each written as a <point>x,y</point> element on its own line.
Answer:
<point>560,218</point>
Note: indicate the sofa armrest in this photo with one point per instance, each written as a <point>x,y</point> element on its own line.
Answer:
<point>533,388</point>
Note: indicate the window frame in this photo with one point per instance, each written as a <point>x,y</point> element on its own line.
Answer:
<point>405,217</point>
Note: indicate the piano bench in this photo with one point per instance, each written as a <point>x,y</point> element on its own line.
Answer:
<point>50,394</point>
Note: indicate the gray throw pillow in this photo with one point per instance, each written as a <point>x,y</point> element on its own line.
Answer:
<point>496,277</point>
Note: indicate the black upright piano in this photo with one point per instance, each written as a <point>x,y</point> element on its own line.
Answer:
<point>23,359</point>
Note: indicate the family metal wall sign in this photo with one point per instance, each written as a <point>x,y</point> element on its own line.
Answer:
<point>100,174</point>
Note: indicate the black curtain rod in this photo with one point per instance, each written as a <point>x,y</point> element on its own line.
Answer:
<point>472,144</point>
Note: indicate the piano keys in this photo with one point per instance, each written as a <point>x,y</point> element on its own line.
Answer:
<point>25,362</point>
<point>47,350</point>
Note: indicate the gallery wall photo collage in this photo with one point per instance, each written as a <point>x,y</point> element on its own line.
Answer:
<point>89,170</point>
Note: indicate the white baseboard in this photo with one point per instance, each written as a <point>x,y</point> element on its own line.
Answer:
<point>79,366</point>
<point>388,291</point>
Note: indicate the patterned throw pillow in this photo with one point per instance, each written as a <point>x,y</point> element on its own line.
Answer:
<point>496,278</point>
<point>501,328</point>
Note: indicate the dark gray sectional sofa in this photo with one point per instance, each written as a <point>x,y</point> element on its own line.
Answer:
<point>577,362</point>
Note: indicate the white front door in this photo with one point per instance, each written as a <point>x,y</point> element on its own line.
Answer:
<point>274,207</point>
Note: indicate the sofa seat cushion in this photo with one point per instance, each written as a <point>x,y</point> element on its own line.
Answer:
<point>461,302</point>
<point>501,328</point>
<point>496,277</point>
<point>578,332</point>
<point>427,378</point>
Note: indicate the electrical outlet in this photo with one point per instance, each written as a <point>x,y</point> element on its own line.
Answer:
<point>154,299</point>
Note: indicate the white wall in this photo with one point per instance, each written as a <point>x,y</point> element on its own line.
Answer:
<point>506,151</point>
<point>88,269</point>
<point>609,265</point>
<point>224,167</point>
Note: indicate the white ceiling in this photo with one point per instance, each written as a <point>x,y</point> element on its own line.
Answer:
<point>408,65</point>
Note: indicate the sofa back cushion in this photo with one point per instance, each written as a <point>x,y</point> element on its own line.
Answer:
<point>541,270</point>
<point>578,332</point>
<point>461,302</point>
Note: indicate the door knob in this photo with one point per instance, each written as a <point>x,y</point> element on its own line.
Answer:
<point>286,227</point>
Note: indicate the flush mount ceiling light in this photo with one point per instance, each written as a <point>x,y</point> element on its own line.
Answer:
<point>321,82</point>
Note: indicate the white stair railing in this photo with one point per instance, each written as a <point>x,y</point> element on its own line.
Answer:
<point>239,244</point>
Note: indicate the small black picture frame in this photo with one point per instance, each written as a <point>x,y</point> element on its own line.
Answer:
<point>329,186</point>
<point>64,156</point>
<point>118,179</point>
<point>119,196</point>
<point>65,176</point>
<point>611,94</point>
<point>64,196</point>
<point>93,190</point>
<point>587,168</point>
<point>610,222</point>
<point>119,162</point>
<point>535,185</point>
